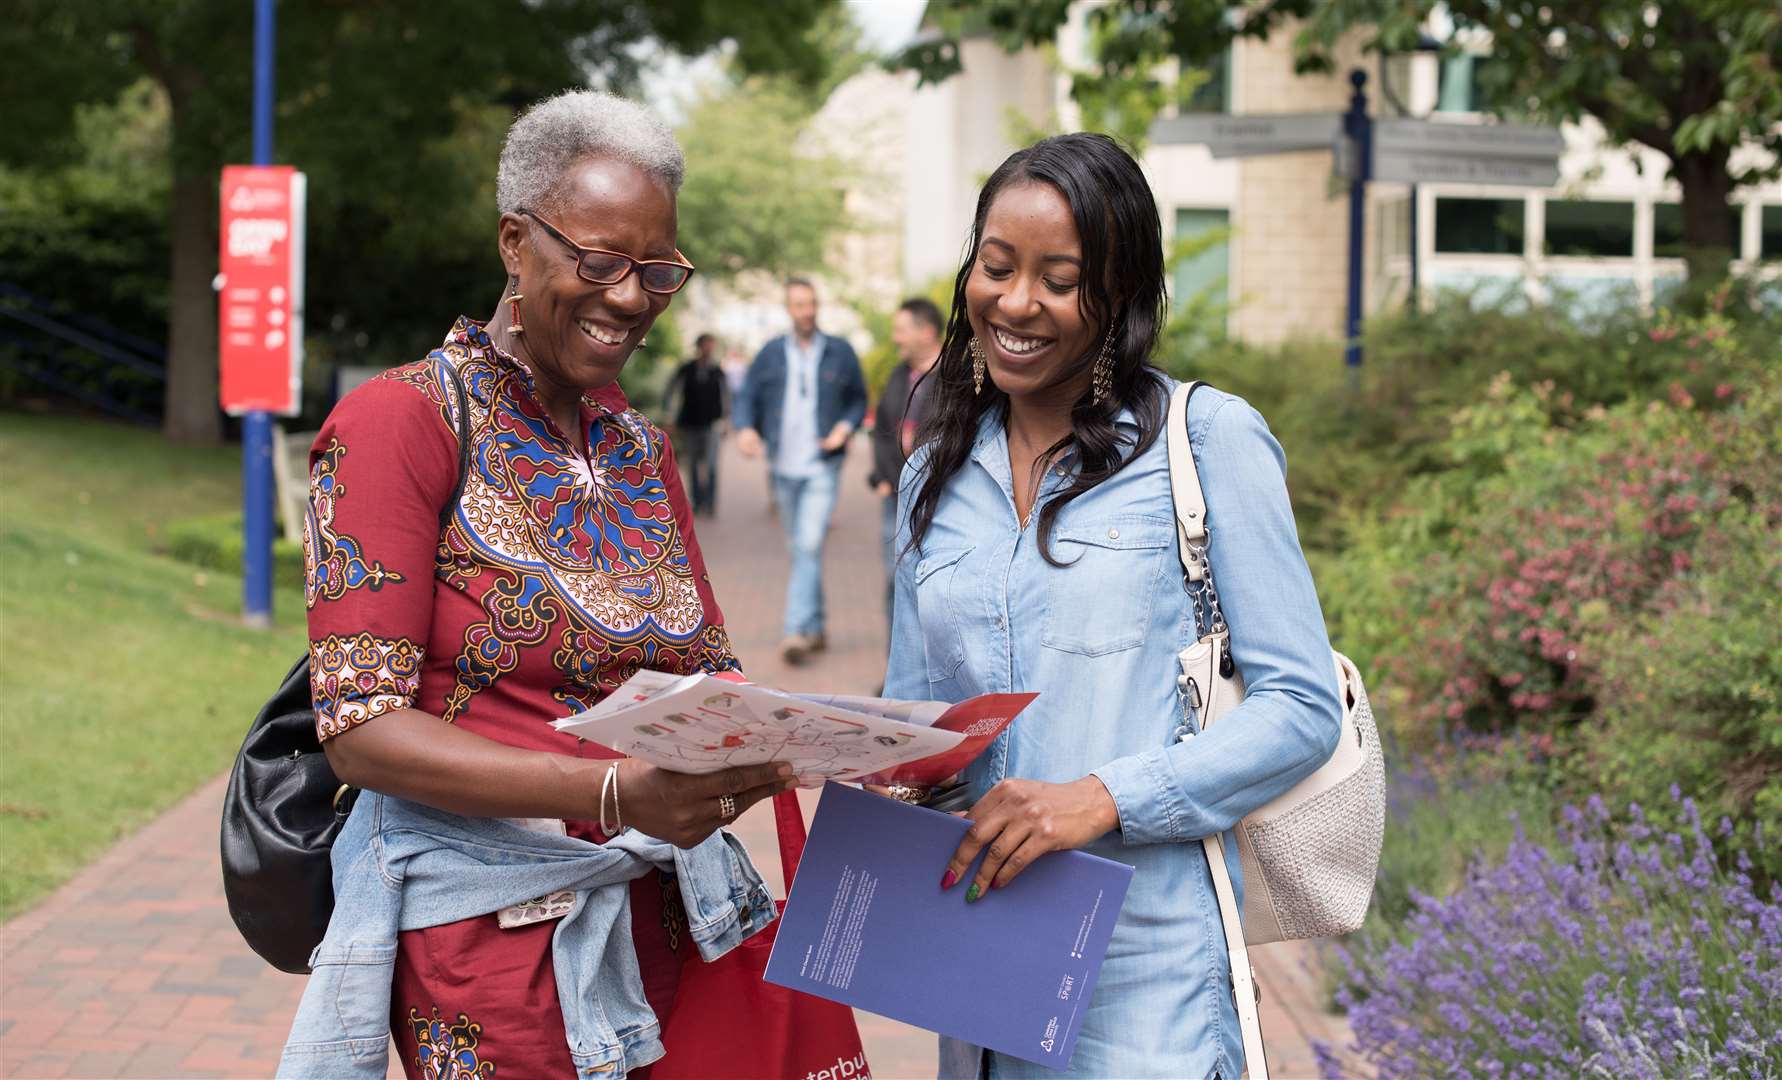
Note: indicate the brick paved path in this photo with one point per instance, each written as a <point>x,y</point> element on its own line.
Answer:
<point>134,969</point>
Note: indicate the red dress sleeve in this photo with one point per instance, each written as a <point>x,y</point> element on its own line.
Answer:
<point>381,469</point>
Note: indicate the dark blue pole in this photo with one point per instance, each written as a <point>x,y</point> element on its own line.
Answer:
<point>256,426</point>
<point>1360,129</point>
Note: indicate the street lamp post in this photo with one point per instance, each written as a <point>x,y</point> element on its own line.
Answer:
<point>256,425</point>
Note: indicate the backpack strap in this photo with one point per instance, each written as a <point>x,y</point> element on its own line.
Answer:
<point>461,401</point>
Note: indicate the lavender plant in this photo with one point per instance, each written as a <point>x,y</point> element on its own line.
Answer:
<point>1626,952</point>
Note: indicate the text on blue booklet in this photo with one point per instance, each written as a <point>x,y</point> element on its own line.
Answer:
<point>868,925</point>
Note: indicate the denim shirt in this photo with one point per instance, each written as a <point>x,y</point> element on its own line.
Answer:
<point>403,866</point>
<point>979,611</point>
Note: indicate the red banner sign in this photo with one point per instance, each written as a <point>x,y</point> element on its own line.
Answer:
<point>260,290</point>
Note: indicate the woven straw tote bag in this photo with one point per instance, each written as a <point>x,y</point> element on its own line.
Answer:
<point>1309,856</point>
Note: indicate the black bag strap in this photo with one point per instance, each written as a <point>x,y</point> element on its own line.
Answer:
<point>462,400</point>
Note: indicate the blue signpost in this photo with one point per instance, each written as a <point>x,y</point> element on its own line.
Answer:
<point>1392,150</point>
<point>256,426</point>
<point>1359,127</point>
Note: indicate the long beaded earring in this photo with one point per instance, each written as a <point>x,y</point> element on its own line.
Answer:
<point>1103,379</point>
<point>513,301</point>
<point>976,348</point>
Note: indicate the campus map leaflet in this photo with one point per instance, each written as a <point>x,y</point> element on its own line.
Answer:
<point>703,723</point>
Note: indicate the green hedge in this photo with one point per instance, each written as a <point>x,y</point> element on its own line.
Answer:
<point>214,542</point>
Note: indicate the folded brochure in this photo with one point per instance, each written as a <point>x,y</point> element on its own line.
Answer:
<point>868,925</point>
<point>702,723</point>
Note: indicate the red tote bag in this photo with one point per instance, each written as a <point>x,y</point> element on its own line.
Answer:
<point>729,1022</point>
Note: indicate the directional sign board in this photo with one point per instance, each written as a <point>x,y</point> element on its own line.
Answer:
<point>1419,151</point>
<point>1244,136</point>
<point>1411,167</point>
<point>260,306</point>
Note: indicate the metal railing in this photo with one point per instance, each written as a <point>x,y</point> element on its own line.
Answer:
<point>80,357</point>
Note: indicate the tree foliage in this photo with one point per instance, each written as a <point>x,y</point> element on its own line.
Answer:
<point>394,109</point>
<point>1691,79</point>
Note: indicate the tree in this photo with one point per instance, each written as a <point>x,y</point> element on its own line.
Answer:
<point>1691,79</point>
<point>369,97</point>
<point>757,197</point>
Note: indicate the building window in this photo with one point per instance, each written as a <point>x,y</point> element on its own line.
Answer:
<point>1769,238</point>
<point>1479,226</point>
<point>1205,270</point>
<point>1590,229</point>
<point>1458,88</point>
<point>1667,229</point>
<point>1213,95</point>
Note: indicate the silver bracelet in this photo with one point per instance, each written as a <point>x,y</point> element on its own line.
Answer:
<point>611,783</point>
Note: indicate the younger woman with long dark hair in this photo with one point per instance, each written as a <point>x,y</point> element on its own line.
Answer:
<point>1039,554</point>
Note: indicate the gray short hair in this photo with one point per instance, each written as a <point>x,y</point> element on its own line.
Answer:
<point>570,128</point>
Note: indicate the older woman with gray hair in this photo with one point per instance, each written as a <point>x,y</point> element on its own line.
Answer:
<point>497,540</point>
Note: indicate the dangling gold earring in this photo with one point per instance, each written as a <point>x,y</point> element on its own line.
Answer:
<point>976,348</point>
<point>1103,378</point>
<point>513,302</point>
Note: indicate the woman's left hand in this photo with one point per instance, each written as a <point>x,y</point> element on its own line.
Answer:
<point>1020,820</point>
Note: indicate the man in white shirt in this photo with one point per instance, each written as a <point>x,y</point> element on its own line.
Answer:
<point>803,397</point>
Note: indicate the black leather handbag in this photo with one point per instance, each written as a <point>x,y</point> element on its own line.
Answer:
<point>285,806</point>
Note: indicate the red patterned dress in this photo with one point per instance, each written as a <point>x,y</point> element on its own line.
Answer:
<point>557,577</point>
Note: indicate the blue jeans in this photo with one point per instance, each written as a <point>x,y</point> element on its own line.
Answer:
<point>806,504</point>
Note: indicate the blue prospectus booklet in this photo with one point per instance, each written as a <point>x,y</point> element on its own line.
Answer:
<point>868,925</point>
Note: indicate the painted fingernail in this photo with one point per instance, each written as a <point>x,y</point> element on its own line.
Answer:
<point>949,879</point>
<point>972,894</point>
<point>996,883</point>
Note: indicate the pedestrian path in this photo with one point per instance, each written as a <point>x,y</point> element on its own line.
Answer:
<point>134,969</point>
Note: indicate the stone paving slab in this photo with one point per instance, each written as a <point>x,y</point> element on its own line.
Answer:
<point>133,968</point>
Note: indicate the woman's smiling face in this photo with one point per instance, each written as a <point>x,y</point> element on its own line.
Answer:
<point>579,334</point>
<point>1023,295</point>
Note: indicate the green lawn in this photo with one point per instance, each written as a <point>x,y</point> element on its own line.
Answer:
<point>126,679</point>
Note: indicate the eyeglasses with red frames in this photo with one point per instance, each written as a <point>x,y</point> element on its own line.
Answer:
<point>598,266</point>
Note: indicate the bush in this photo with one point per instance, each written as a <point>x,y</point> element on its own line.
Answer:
<point>1354,440</point>
<point>1629,953</point>
<point>214,542</point>
<point>1690,691</point>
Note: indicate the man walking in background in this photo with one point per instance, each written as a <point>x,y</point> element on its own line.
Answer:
<point>804,395</point>
<point>698,399</point>
<point>916,334</point>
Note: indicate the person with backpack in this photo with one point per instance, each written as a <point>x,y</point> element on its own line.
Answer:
<point>508,898</point>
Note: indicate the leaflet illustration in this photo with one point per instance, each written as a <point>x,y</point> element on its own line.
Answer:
<point>700,724</point>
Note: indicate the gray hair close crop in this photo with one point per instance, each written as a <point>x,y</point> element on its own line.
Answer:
<point>576,126</point>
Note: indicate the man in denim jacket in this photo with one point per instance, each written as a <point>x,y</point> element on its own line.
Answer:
<point>803,397</point>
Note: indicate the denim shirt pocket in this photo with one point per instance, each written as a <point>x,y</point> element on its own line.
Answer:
<point>1100,601</point>
<point>938,600</point>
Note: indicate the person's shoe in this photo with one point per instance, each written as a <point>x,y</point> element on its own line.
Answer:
<point>794,649</point>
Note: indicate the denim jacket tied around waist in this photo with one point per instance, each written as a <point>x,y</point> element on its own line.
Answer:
<point>402,866</point>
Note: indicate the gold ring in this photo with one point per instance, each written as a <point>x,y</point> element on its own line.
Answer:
<point>726,807</point>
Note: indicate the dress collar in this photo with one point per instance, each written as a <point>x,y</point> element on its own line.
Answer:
<point>473,335</point>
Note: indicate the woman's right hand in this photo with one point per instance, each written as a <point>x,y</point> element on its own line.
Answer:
<point>685,808</point>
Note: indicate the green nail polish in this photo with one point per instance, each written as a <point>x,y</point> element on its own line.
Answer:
<point>972,894</point>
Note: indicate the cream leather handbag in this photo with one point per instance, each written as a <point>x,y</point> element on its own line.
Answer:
<point>1309,856</point>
